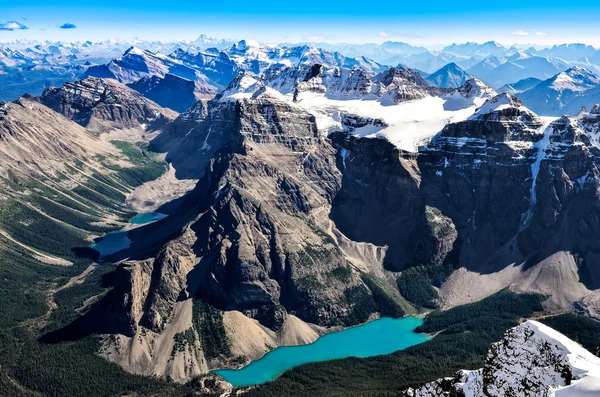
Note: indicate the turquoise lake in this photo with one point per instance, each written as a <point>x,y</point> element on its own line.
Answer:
<point>117,241</point>
<point>382,336</point>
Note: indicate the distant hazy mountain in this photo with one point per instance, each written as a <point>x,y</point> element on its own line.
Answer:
<point>567,52</point>
<point>564,93</point>
<point>450,76</point>
<point>498,71</point>
<point>429,62</point>
<point>519,86</point>
<point>490,48</point>
<point>137,63</point>
<point>378,52</point>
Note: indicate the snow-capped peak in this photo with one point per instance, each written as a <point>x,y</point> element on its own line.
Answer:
<point>576,78</point>
<point>497,104</point>
<point>133,51</point>
<point>245,45</point>
<point>475,88</point>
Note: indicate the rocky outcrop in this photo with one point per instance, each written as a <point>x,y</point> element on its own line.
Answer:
<point>531,360</point>
<point>102,105</point>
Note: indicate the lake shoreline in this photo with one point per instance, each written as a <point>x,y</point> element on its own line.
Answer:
<point>357,341</point>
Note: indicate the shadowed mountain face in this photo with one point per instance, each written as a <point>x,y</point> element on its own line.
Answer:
<point>450,76</point>
<point>173,92</point>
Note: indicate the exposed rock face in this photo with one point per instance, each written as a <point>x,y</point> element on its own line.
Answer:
<point>209,125</point>
<point>402,85</point>
<point>173,92</point>
<point>532,360</point>
<point>467,171</point>
<point>381,202</point>
<point>352,122</point>
<point>101,105</point>
<point>474,88</point>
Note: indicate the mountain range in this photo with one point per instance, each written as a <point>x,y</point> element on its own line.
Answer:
<point>301,191</point>
<point>32,66</point>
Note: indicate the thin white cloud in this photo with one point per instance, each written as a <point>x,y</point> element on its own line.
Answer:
<point>541,34</point>
<point>383,34</point>
<point>12,25</point>
<point>520,32</point>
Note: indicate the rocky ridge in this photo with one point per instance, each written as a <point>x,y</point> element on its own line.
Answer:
<point>531,360</point>
<point>102,105</point>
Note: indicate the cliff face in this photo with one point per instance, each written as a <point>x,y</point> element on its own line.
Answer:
<point>515,187</point>
<point>531,360</point>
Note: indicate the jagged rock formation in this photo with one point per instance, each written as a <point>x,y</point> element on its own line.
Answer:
<point>102,105</point>
<point>173,92</point>
<point>532,360</point>
<point>474,88</point>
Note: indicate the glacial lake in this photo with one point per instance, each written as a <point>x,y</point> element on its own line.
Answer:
<point>117,241</point>
<point>378,337</point>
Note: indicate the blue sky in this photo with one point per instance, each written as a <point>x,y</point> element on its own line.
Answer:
<point>425,23</point>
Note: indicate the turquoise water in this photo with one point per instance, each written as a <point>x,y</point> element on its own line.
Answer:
<point>117,241</point>
<point>382,336</point>
<point>142,219</point>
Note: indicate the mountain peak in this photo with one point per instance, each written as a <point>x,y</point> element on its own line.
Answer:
<point>576,78</point>
<point>244,45</point>
<point>496,105</point>
<point>449,76</point>
<point>133,50</point>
